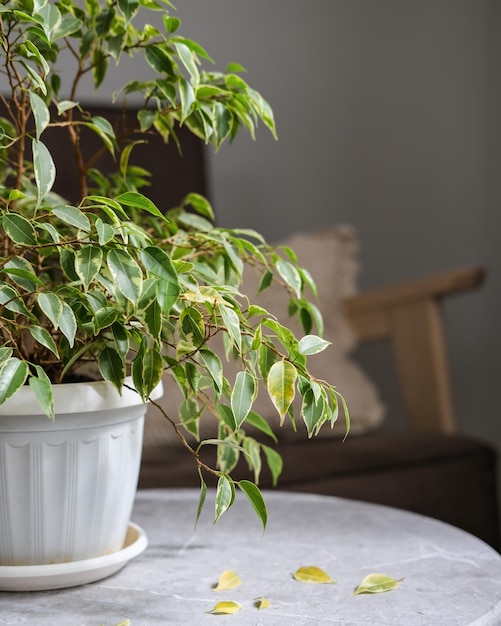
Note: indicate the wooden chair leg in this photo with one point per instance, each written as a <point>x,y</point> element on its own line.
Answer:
<point>420,352</point>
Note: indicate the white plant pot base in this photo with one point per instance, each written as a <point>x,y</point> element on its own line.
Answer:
<point>67,487</point>
<point>60,575</point>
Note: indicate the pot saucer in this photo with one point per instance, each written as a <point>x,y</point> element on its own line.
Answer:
<point>60,575</point>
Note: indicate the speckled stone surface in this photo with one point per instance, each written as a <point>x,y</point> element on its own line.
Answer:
<point>449,577</point>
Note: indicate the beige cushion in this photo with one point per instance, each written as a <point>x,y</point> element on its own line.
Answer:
<point>331,256</point>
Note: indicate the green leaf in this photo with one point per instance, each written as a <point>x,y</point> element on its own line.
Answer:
<point>153,319</point>
<point>193,326</point>
<point>281,386</point>
<point>65,105</point>
<point>13,374</point>
<point>158,263</point>
<point>5,354</point>
<point>137,366</point>
<point>12,301</point>
<point>19,229</point>
<point>266,359</point>
<point>44,337</point>
<point>215,367</point>
<point>255,497</point>
<point>284,335</point>
<point>252,450</point>
<point>167,293</point>
<point>311,344</point>
<point>266,281</point>
<point>275,463</point>
<point>52,306</point>
<point>40,113</point>
<point>242,396</point>
<point>33,52</point>
<point>138,200</point>
<point>159,60</point>
<point>50,18</point>
<point>72,216</point>
<point>257,421</point>
<point>99,71</point>
<point>121,339</point>
<point>189,413</point>
<point>112,367</point>
<point>225,496</point>
<point>313,574</point>
<point>193,376</point>
<point>226,415</point>
<point>232,323</point>
<point>152,371</point>
<point>88,262</point>
<point>129,8</point>
<point>376,583</point>
<point>187,97</point>
<point>228,455</point>
<point>22,273</point>
<point>201,205</point>
<point>68,324</point>
<point>235,67</point>
<point>45,170</point>
<point>100,125</point>
<point>290,274</point>
<point>257,340</point>
<point>105,232</point>
<point>67,27</point>
<point>188,60</point>
<point>42,388</point>
<point>37,80</point>
<point>312,411</point>
<point>171,23</point>
<point>202,496</point>
<point>126,274</point>
<point>15,194</point>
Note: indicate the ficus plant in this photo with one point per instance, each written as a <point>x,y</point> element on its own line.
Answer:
<point>116,286</point>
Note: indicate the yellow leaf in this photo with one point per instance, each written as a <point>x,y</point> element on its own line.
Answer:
<point>281,386</point>
<point>376,583</point>
<point>262,603</point>
<point>225,608</point>
<point>228,580</point>
<point>313,574</point>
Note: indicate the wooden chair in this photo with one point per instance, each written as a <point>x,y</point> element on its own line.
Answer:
<point>410,316</point>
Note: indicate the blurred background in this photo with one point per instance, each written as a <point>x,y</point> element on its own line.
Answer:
<point>388,119</point>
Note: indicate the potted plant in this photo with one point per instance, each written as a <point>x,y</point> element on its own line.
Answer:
<point>112,289</point>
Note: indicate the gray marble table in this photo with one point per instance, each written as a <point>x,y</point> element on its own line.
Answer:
<point>449,577</point>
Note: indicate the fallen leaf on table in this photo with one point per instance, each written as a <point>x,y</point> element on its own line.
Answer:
<point>262,603</point>
<point>228,580</point>
<point>225,608</point>
<point>313,574</point>
<point>376,583</point>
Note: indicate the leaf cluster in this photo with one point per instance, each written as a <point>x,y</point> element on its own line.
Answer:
<point>112,286</point>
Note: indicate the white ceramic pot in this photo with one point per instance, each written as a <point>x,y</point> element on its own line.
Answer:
<point>67,487</point>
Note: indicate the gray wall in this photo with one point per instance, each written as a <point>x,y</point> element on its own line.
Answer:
<point>388,117</point>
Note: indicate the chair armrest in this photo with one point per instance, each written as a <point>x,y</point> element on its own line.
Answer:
<point>410,315</point>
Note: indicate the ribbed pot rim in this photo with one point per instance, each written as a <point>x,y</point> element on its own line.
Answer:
<point>80,397</point>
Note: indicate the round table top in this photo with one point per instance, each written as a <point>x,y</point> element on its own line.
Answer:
<point>447,576</point>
